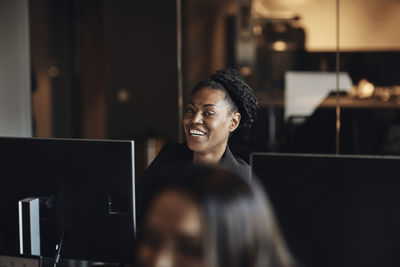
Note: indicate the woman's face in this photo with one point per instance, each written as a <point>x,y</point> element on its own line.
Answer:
<point>208,120</point>
<point>173,233</point>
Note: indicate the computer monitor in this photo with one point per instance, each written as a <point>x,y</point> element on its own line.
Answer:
<point>86,191</point>
<point>335,211</point>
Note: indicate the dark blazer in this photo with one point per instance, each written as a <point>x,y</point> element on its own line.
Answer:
<point>174,156</point>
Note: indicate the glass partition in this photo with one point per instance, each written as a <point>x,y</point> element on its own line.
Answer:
<point>370,53</point>
<point>325,72</point>
<point>294,74</point>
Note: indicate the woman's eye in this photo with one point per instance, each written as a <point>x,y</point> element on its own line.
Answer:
<point>189,110</point>
<point>207,113</point>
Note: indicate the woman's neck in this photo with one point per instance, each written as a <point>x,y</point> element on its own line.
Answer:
<point>208,157</point>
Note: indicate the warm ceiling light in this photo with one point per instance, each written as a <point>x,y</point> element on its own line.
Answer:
<point>279,46</point>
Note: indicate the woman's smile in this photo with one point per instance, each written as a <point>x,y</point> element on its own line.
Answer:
<point>196,135</point>
<point>196,132</point>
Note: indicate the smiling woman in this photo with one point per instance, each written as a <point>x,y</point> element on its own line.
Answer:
<point>218,105</point>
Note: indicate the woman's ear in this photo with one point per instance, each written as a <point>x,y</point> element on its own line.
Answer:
<point>235,120</point>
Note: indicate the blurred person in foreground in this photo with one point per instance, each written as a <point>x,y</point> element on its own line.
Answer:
<point>209,216</point>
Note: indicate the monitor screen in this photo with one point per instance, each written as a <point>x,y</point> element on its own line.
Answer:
<point>335,211</point>
<point>86,191</point>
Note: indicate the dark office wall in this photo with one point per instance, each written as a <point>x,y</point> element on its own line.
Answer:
<point>94,75</point>
<point>98,48</point>
<point>64,67</point>
<point>140,48</point>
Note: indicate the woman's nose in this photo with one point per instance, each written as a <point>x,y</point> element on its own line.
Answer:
<point>197,118</point>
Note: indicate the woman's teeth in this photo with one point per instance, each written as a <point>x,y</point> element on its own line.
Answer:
<point>196,132</point>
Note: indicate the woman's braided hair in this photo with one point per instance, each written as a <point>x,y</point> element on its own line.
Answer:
<point>238,93</point>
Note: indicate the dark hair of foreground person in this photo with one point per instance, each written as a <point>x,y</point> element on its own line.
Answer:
<point>209,216</point>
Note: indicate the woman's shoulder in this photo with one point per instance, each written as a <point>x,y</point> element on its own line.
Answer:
<point>241,162</point>
<point>244,168</point>
<point>236,163</point>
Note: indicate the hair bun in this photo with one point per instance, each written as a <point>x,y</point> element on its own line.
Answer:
<point>228,75</point>
<point>229,72</point>
<point>240,92</point>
